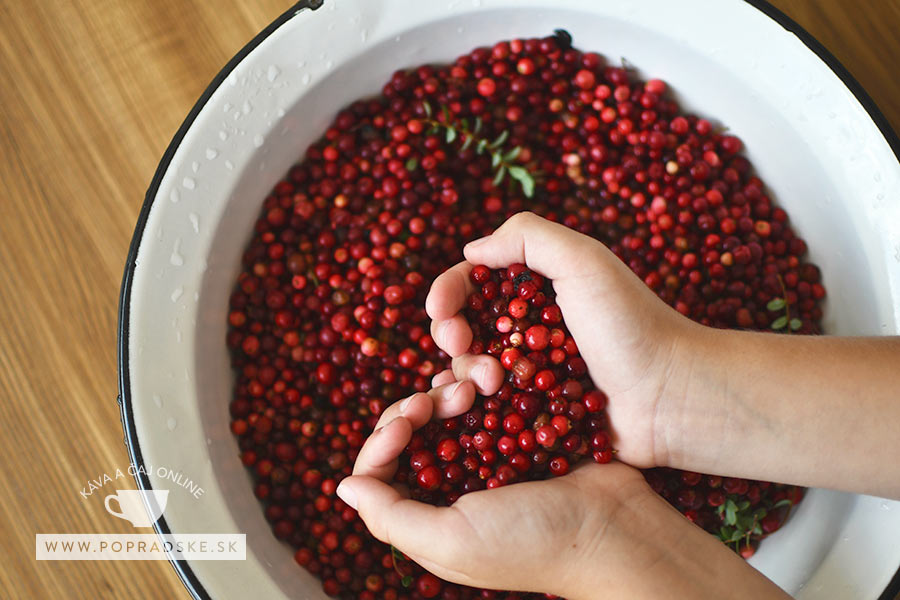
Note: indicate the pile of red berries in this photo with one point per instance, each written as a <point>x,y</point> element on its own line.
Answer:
<point>546,416</point>
<point>327,325</point>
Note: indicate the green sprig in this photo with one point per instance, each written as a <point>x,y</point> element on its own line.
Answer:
<point>502,159</point>
<point>783,323</point>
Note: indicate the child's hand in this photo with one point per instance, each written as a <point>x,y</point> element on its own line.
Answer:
<point>598,532</point>
<point>536,536</point>
<point>627,336</point>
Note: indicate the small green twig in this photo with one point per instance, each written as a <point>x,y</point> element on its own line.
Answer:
<point>785,323</point>
<point>502,159</point>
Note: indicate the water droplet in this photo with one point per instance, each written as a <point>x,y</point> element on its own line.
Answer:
<point>877,177</point>
<point>195,166</point>
<point>159,234</point>
<point>229,165</point>
<point>364,35</point>
<point>272,73</point>
<point>232,79</point>
<point>237,115</point>
<point>176,293</point>
<point>397,38</point>
<point>176,258</point>
<point>188,183</point>
<point>173,195</point>
<point>258,140</point>
<point>203,267</point>
<point>223,135</point>
<point>197,294</point>
<point>195,222</point>
<point>476,3</point>
<point>211,153</point>
<point>247,108</point>
<point>280,112</point>
<point>305,79</point>
<point>208,442</point>
<point>226,107</point>
<point>157,400</point>
<point>459,30</point>
<point>301,64</point>
<point>171,423</point>
<point>329,64</point>
<point>178,336</point>
<point>884,505</point>
<point>331,27</point>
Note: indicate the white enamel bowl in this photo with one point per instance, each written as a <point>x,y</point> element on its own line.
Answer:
<point>806,127</point>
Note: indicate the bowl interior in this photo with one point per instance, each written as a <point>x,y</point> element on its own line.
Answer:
<point>799,125</point>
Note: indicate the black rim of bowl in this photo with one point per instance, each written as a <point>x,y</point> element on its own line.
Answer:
<point>182,567</point>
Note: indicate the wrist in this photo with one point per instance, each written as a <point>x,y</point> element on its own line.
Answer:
<point>650,550</point>
<point>692,410</point>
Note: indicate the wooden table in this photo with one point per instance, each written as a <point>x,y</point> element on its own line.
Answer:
<point>90,94</point>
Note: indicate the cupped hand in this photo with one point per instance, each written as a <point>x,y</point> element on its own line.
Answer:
<point>628,337</point>
<point>538,536</point>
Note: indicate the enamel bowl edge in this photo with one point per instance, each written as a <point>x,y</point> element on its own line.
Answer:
<point>825,158</point>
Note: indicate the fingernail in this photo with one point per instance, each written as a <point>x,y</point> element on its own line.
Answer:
<point>346,493</point>
<point>405,404</point>
<point>479,375</point>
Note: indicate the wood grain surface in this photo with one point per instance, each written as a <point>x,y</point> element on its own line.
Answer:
<point>91,93</point>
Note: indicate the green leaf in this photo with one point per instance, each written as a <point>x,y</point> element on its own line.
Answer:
<point>446,112</point>
<point>500,139</point>
<point>528,187</point>
<point>775,304</point>
<point>522,175</point>
<point>725,533</point>
<point>501,173</point>
<point>427,108</point>
<point>411,164</point>
<point>782,502</point>
<point>451,134</point>
<point>433,130</point>
<point>467,143</point>
<point>396,554</point>
<point>478,124</point>
<point>757,529</point>
<point>496,159</point>
<point>482,144</point>
<point>796,324</point>
<point>730,512</point>
<point>743,505</point>
<point>780,323</point>
<point>406,581</point>
<point>720,509</point>
<point>512,154</point>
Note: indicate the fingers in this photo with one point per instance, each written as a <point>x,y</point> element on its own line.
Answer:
<point>549,248</point>
<point>483,370</point>
<point>417,409</point>
<point>378,456</point>
<point>411,526</point>
<point>449,291</point>
<point>444,377</point>
<point>452,335</point>
<point>446,298</point>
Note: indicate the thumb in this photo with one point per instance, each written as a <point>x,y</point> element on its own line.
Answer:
<point>409,525</point>
<point>553,250</point>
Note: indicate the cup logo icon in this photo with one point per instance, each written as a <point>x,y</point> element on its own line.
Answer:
<point>141,507</point>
